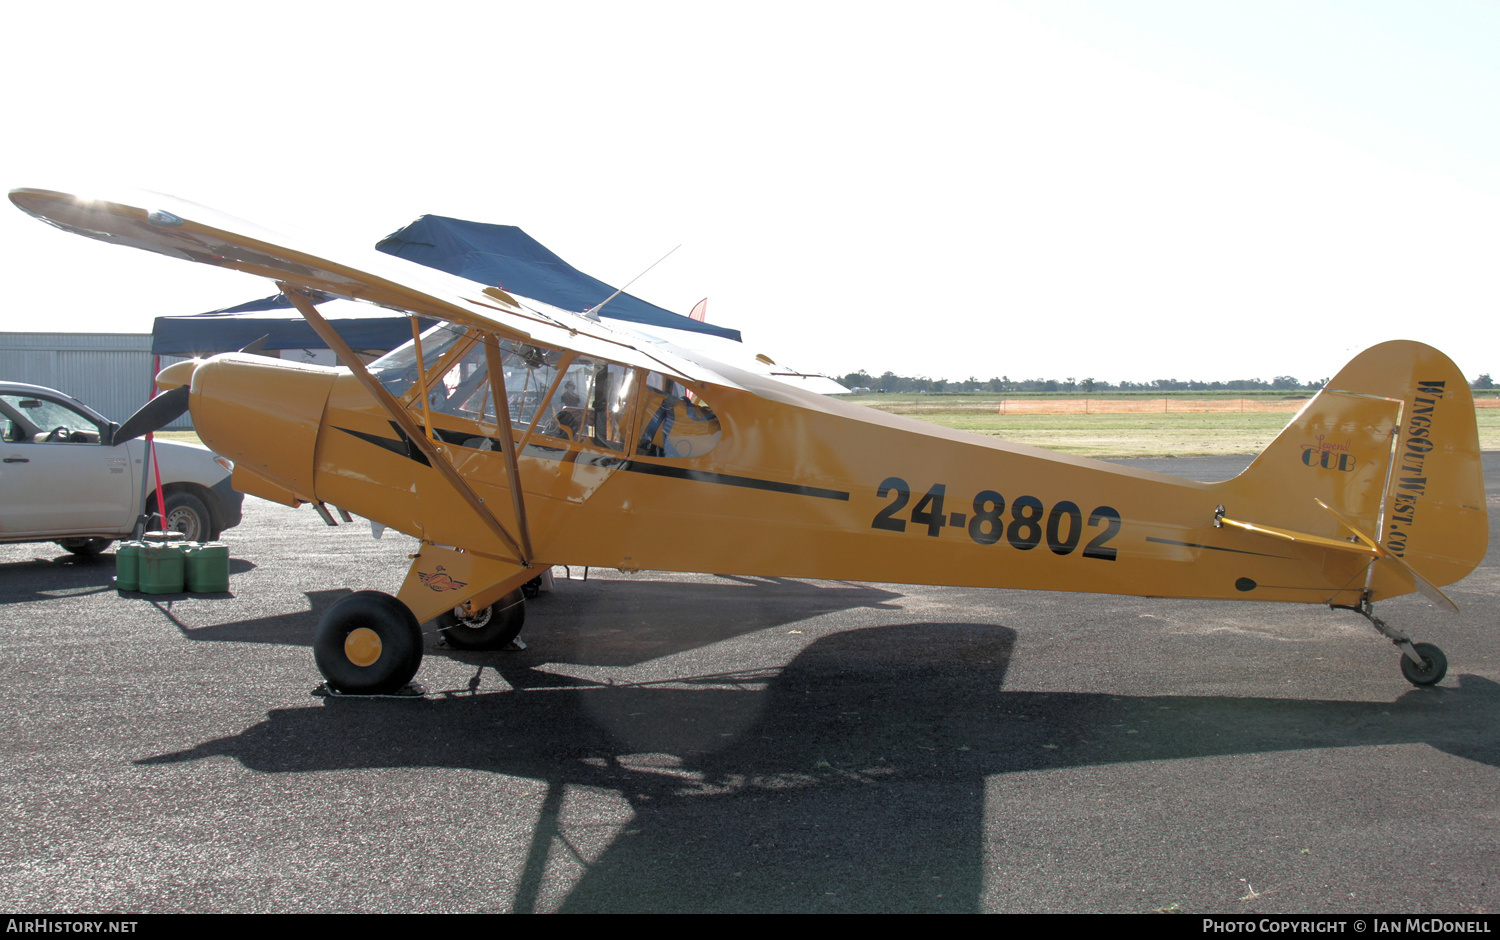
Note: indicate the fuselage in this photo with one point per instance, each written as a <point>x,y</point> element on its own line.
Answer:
<point>789,484</point>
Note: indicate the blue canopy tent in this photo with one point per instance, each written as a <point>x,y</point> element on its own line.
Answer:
<point>508,258</point>
<point>238,326</point>
<point>499,255</point>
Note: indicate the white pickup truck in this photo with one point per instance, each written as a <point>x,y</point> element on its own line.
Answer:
<point>63,480</point>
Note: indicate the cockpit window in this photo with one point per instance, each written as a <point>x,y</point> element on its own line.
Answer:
<point>397,370</point>
<point>463,390</point>
<point>529,373</point>
<point>591,404</point>
<point>614,393</point>
<point>570,398</point>
<point>564,414</point>
<point>677,422</point>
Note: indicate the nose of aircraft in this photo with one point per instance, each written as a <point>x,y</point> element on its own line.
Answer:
<point>260,413</point>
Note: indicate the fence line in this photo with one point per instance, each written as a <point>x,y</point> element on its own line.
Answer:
<point>1106,406</point>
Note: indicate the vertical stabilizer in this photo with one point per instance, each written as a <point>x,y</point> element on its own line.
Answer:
<point>1391,445</point>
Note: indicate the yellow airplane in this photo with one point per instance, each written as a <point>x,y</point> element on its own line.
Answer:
<point>514,435</point>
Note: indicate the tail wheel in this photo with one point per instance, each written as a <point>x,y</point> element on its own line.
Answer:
<point>1434,665</point>
<point>369,643</point>
<point>490,629</point>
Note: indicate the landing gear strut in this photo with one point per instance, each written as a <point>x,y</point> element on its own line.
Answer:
<point>1421,663</point>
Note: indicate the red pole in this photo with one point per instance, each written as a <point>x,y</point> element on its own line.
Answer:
<point>161,505</point>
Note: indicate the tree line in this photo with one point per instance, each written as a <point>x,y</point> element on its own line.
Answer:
<point>891,382</point>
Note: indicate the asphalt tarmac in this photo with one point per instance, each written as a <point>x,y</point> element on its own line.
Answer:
<point>700,743</point>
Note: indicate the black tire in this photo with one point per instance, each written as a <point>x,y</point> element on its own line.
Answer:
<point>369,643</point>
<point>1435,665</point>
<point>86,547</point>
<point>187,514</point>
<point>493,628</point>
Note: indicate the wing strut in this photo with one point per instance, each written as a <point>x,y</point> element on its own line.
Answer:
<point>507,443</point>
<point>417,436</point>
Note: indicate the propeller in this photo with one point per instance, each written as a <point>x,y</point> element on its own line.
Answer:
<point>154,414</point>
<point>257,348</point>
<point>171,404</point>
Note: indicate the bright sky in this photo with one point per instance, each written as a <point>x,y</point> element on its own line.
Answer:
<point>1033,188</point>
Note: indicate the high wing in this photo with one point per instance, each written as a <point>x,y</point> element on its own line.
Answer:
<point>180,229</point>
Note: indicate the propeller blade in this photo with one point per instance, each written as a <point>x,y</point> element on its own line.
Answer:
<point>154,414</point>
<point>257,348</point>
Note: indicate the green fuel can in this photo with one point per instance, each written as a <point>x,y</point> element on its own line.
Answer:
<point>128,566</point>
<point>162,568</point>
<point>207,567</point>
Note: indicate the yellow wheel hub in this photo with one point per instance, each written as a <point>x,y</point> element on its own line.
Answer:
<point>362,646</point>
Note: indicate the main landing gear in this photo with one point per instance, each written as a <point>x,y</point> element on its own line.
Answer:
<point>370,643</point>
<point>1421,663</point>
<point>492,628</point>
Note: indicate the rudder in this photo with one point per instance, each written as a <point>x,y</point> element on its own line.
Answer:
<point>1391,444</point>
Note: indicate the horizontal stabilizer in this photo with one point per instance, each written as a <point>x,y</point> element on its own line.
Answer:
<point>1305,538</point>
<point>1360,544</point>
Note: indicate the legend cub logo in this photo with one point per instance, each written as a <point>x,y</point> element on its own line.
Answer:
<point>1328,455</point>
<point>440,580</point>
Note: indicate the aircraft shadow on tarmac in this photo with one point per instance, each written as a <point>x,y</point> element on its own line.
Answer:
<point>601,622</point>
<point>292,629</point>
<point>42,579</point>
<point>851,779</point>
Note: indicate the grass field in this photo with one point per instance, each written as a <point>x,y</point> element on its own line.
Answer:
<point>1154,429</point>
<point>189,437</point>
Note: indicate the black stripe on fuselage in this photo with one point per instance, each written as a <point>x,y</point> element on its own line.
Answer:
<point>401,446</point>
<point>725,479</point>
<point>609,461</point>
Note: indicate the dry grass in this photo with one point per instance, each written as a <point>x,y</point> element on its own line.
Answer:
<point>187,437</point>
<point>1183,428</point>
<point>1097,406</point>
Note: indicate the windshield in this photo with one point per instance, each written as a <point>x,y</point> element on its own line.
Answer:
<point>25,417</point>
<point>551,393</point>
<point>397,370</point>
